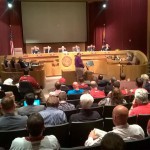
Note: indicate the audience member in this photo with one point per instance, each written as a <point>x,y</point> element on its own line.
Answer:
<point>140,104</point>
<point>139,83</point>
<point>34,83</point>
<point>122,76</point>
<point>146,82</point>
<point>95,92</point>
<point>115,98</point>
<point>30,108</point>
<point>63,87</point>
<point>57,89</point>
<point>52,115</point>
<point>109,86</point>
<point>101,82</point>
<point>76,89</point>
<point>12,62</point>
<point>22,63</point>
<point>10,120</point>
<point>5,61</point>
<point>63,104</point>
<point>85,114</point>
<point>112,141</point>
<point>35,50</point>
<point>35,140</point>
<point>82,84</point>
<point>122,128</point>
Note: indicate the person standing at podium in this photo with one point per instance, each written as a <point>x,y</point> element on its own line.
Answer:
<point>79,66</point>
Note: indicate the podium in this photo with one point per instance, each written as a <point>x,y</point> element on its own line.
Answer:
<point>69,75</point>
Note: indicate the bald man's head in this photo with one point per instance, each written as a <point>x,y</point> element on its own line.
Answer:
<point>75,85</point>
<point>120,115</point>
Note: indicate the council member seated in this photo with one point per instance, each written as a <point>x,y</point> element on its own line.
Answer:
<point>62,49</point>
<point>106,47</point>
<point>91,48</point>
<point>35,50</point>
<point>76,48</point>
<point>47,49</point>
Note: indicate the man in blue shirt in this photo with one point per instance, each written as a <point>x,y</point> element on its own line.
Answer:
<point>75,90</point>
<point>79,66</point>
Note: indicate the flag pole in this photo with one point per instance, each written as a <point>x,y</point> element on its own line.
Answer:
<point>11,42</point>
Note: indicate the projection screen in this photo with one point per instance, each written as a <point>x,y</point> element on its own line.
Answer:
<point>50,22</point>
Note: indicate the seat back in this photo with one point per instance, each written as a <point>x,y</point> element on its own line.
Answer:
<point>6,137</point>
<point>73,96</point>
<point>143,144</point>
<point>132,119</point>
<point>142,121</point>
<point>69,113</point>
<point>74,102</point>
<point>14,89</point>
<point>18,67</point>
<point>108,111</point>
<point>108,124</point>
<point>25,87</point>
<point>60,131</point>
<point>94,147</point>
<point>79,131</point>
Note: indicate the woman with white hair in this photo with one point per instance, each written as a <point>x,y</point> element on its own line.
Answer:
<point>85,114</point>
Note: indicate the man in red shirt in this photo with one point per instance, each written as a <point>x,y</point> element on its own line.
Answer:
<point>34,83</point>
<point>95,92</point>
<point>140,103</point>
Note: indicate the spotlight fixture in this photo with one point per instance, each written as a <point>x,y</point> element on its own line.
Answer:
<point>10,3</point>
<point>104,5</point>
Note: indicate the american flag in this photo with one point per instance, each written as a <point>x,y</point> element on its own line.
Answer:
<point>11,43</point>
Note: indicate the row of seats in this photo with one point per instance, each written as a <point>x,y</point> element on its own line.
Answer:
<point>69,135</point>
<point>10,68</point>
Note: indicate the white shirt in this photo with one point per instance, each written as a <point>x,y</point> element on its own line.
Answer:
<point>47,143</point>
<point>9,81</point>
<point>127,132</point>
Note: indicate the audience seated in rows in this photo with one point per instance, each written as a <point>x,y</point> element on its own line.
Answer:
<point>115,98</point>
<point>30,108</point>
<point>146,84</point>
<point>139,83</point>
<point>57,89</point>
<point>63,104</point>
<point>95,92</point>
<point>82,84</point>
<point>14,80</point>
<point>52,115</point>
<point>75,90</point>
<point>112,141</point>
<point>122,128</point>
<point>85,114</point>
<point>10,119</point>
<point>34,83</point>
<point>140,104</point>
<point>35,140</point>
<point>63,87</point>
<point>109,86</point>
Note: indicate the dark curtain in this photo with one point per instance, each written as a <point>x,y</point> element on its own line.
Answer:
<point>126,24</point>
<point>10,17</point>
